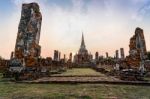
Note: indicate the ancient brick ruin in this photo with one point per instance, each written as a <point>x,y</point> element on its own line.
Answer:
<point>70,57</point>
<point>122,53</point>
<point>56,55</point>
<point>117,54</point>
<point>96,56</point>
<point>83,58</point>
<point>3,64</point>
<point>107,55</point>
<point>27,48</point>
<point>137,49</point>
<point>27,52</point>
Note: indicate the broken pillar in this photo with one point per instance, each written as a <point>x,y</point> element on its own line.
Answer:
<point>12,55</point>
<point>96,56</point>
<point>117,54</point>
<point>106,54</point>
<point>70,57</point>
<point>59,56</point>
<point>122,53</point>
<point>56,55</point>
<point>137,49</point>
<point>64,57</point>
<point>27,48</point>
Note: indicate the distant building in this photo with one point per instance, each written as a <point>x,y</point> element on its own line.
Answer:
<point>83,57</point>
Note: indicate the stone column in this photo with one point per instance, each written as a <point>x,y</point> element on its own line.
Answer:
<point>96,56</point>
<point>70,57</point>
<point>122,53</point>
<point>117,54</point>
<point>59,56</point>
<point>12,55</point>
<point>56,56</point>
<point>106,54</point>
<point>64,57</point>
<point>27,43</point>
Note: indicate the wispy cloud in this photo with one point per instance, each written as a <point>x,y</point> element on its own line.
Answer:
<point>143,11</point>
<point>107,24</point>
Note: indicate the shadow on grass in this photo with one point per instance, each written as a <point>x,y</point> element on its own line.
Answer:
<point>62,96</point>
<point>84,97</point>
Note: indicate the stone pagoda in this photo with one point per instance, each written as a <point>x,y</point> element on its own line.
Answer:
<point>83,58</point>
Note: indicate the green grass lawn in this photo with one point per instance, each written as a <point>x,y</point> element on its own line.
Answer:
<point>80,71</point>
<point>11,90</point>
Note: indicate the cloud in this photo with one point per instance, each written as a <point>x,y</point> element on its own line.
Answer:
<point>144,9</point>
<point>143,6</point>
<point>107,25</point>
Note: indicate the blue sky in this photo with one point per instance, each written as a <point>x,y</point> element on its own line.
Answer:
<point>107,24</point>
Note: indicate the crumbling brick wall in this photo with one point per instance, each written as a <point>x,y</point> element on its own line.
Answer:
<point>137,49</point>
<point>27,47</point>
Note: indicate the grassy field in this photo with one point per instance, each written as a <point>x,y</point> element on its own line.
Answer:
<point>11,90</point>
<point>81,71</point>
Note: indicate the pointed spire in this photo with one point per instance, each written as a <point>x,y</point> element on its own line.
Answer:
<point>82,47</point>
<point>82,42</point>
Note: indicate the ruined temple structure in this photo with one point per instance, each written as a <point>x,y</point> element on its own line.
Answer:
<point>27,48</point>
<point>117,54</point>
<point>122,53</point>
<point>56,55</point>
<point>64,58</point>
<point>70,57</point>
<point>96,56</point>
<point>137,49</point>
<point>107,55</point>
<point>59,56</point>
<point>83,58</point>
<point>3,64</point>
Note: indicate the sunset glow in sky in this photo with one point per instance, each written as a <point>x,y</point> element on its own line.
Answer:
<point>107,24</point>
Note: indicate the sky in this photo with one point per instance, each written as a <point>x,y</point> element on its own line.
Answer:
<point>107,25</point>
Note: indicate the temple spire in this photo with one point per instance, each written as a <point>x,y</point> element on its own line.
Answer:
<point>82,47</point>
<point>82,42</point>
